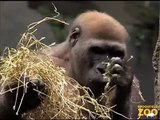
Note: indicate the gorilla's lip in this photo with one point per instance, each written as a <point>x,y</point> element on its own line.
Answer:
<point>98,79</point>
<point>97,86</point>
<point>98,82</point>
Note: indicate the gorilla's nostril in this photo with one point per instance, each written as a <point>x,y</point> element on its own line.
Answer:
<point>101,68</point>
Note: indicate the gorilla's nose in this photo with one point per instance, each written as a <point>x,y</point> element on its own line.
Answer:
<point>101,68</point>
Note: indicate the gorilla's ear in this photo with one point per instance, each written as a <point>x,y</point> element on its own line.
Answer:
<point>74,36</point>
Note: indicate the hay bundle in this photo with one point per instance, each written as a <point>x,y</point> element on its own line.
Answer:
<point>63,99</point>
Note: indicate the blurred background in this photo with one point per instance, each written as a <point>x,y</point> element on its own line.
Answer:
<point>139,18</point>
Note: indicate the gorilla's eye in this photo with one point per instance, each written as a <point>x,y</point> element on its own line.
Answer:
<point>110,51</point>
<point>97,50</point>
<point>116,53</point>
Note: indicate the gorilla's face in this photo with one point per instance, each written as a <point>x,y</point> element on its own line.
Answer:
<point>93,39</point>
<point>87,57</point>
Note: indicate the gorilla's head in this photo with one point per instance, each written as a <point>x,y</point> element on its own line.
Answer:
<point>93,38</point>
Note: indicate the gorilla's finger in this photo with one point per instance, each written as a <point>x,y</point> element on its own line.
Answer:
<point>116,60</point>
<point>117,69</point>
<point>114,79</point>
<point>37,84</point>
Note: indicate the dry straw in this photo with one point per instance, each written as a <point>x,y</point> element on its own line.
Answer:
<point>63,99</point>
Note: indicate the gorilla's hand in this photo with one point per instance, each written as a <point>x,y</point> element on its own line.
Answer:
<point>121,74</point>
<point>27,94</point>
<point>122,77</point>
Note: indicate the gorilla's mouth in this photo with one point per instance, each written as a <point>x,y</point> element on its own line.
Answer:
<point>97,87</point>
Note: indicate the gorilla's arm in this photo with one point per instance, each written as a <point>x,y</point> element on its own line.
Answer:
<point>6,108</point>
<point>31,100</point>
<point>126,91</point>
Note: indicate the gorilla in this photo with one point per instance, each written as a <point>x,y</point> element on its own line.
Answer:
<point>93,37</point>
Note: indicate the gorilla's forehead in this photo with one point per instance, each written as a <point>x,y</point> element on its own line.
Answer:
<point>101,25</point>
<point>105,43</point>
